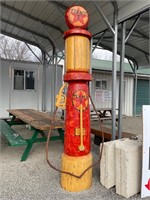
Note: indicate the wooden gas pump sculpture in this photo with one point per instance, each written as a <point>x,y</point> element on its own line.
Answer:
<point>77,156</point>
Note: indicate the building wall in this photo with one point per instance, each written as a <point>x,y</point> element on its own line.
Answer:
<point>0,91</point>
<point>100,76</point>
<point>129,94</point>
<point>10,98</point>
<point>25,98</point>
<point>4,83</point>
<point>143,94</point>
<point>106,101</point>
<point>48,85</point>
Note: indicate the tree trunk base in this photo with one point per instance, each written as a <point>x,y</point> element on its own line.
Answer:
<point>76,165</point>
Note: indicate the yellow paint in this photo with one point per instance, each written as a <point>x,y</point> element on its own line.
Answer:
<point>78,131</point>
<point>61,98</point>
<point>81,146</point>
<point>69,51</point>
<point>77,50</point>
<point>76,165</point>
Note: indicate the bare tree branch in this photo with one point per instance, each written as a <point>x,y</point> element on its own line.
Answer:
<point>15,50</point>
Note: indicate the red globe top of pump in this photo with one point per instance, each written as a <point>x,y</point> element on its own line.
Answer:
<point>77,17</point>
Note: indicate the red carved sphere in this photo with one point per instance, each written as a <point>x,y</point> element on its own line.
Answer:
<point>77,17</point>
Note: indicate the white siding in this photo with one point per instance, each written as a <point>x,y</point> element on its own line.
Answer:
<point>128,99</point>
<point>49,83</point>
<point>129,91</point>
<point>107,77</point>
<point>24,98</point>
<point>10,98</point>
<point>4,95</point>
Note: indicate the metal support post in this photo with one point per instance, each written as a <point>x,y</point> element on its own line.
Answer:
<point>113,137</point>
<point>53,83</point>
<point>135,91</point>
<point>114,31</point>
<point>42,48</point>
<point>131,65</point>
<point>104,18</point>
<point>44,83</point>
<point>99,41</point>
<point>132,28</point>
<point>53,42</point>
<point>33,52</point>
<point>121,80</point>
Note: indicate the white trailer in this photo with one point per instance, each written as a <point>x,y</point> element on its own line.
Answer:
<point>21,85</point>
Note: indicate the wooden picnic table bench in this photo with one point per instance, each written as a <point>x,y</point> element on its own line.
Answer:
<point>97,132</point>
<point>11,135</point>
<point>104,114</point>
<point>39,122</point>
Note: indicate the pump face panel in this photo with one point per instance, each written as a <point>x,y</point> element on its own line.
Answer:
<point>77,95</point>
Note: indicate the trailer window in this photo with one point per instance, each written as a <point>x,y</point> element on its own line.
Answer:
<point>29,80</point>
<point>24,80</point>
<point>101,84</point>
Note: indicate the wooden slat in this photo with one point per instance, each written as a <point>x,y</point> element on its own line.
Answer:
<point>11,135</point>
<point>102,109</point>
<point>107,133</point>
<point>41,125</point>
<point>37,119</point>
<point>97,130</point>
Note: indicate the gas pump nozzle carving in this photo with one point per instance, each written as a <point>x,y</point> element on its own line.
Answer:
<point>81,147</point>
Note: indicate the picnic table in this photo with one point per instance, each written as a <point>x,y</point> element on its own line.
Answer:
<point>106,131</point>
<point>39,122</point>
<point>104,113</point>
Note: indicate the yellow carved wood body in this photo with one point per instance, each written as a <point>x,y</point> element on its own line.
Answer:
<point>78,53</point>
<point>76,165</point>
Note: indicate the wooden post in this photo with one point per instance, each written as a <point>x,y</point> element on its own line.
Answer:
<point>77,157</point>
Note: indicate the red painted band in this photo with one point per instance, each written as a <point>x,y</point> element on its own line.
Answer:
<point>83,76</point>
<point>77,31</point>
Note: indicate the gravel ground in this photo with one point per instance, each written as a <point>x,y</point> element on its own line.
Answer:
<point>35,180</point>
<point>132,125</point>
<point>129,124</point>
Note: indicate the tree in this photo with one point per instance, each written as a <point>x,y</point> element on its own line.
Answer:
<point>15,49</point>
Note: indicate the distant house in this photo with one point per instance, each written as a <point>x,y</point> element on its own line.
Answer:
<point>102,85</point>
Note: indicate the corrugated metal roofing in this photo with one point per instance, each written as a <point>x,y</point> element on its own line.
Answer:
<point>42,23</point>
<point>137,46</point>
<point>105,65</point>
<point>144,71</point>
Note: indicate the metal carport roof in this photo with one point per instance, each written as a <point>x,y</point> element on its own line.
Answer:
<point>137,45</point>
<point>42,23</point>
